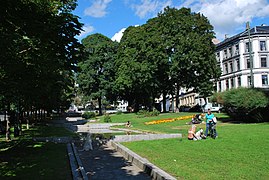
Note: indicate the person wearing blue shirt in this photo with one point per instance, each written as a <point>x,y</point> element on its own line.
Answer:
<point>209,117</point>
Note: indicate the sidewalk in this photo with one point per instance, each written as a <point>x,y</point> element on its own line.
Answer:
<point>104,163</point>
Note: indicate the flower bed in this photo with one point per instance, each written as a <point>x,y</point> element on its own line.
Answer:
<point>168,120</point>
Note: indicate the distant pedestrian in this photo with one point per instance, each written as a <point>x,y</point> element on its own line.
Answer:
<point>209,119</point>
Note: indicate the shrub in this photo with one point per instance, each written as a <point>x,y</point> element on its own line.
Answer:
<point>145,113</point>
<point>155,112</point>
<point>107,118</point>
<point>244,104</point>
<point>88,115</point>
<point>119,112</point>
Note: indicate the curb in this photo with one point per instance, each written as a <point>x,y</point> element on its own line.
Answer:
<point>140,137</point>
<point>153,171</point>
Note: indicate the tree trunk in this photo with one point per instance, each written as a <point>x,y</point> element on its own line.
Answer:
<point>136,106</point>
<point>100,106</point>
<point>177,97</point>
<point>8,131</point>
<point>164,101</point>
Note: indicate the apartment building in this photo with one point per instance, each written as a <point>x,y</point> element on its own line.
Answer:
<point>234,57</point>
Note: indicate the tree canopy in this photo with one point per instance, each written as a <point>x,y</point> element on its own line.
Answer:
<point>97,72</point>
<point>38,52</point>
<point>171,51</point>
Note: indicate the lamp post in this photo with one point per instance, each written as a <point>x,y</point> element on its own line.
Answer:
<point>250,57</point>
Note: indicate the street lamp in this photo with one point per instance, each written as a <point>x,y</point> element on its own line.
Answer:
<point>250,57</point>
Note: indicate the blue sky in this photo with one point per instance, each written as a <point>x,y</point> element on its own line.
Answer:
<point>110,17</point>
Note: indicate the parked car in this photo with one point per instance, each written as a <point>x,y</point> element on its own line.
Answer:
<point>214,107</point>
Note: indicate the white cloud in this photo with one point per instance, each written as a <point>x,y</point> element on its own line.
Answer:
<point>86,30</point>
<point>97,9</point>
<point>150,7</point>
<point>229,15</point>
<point>117,37</point>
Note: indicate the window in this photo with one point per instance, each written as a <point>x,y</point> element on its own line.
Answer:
<point>225,54</point>
<point>231,66</point>
<point>248,63</point>
<point>249,81</point>
<point>238,64</point>
<point>220,86</point>
<point>232,82</point>
<point>236,49</point>
<point>226,68</point>
<point>264,80</point>
<point>230,51</point>
<point>227,84</point>
<point>247,47</point>
<point>238,81</point>
<point>263,62</point>
<point>262,46</point>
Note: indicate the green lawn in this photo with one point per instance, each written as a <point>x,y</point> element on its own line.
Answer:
<point>240,152</point>
<point>23,158</point>
<point>173,127</point>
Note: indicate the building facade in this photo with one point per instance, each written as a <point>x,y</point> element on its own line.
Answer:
<point>233,55</point>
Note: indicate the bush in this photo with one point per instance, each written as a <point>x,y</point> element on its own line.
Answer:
<point>119,112</point>
<point>88,115</point>
<point>244,104</point>
<point>145,113</point>
<point>155,112</point>
<point>107,118</point>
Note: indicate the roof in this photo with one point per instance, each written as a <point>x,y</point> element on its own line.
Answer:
<point>253,31</point>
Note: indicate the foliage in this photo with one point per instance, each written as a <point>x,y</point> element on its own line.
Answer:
<point>146,113</point>
<point>134,72</point>
<point>97,73</point>
<point>170,51</point>
<point>119,112</point>
<point>88,115</point>
<point>38,51</point>
<point>107,118</point>
<point>187,38</point>
<point>244,103</point>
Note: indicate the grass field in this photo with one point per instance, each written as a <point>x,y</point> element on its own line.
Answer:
<point>240,152</point>
<point>172,127</point>
<point>23,158</point>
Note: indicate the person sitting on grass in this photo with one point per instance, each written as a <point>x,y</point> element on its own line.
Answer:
<point>200,134</point>
<point>196,119</point>
<point>128,124</point>
<point>191,133</point>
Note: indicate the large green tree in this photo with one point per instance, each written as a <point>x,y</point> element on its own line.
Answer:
<point>184,51</point>
<point>97,73</point>
<point>135,74</point>
<point>38,52</point>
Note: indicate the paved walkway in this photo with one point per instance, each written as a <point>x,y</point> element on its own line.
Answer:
<point>104,163</point>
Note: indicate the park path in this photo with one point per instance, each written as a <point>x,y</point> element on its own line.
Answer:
<point>103,162</point>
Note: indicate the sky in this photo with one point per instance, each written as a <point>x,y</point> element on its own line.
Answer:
<point>112,17</point>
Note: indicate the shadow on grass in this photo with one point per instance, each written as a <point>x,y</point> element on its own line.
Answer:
<point>229,120</point>
<point>25,159</point>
